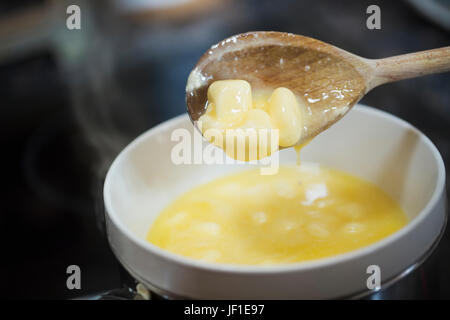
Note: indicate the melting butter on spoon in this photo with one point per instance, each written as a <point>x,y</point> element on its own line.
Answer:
<point>234,114</point>
<point>281,80</point>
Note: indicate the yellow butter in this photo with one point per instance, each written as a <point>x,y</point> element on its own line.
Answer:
<point>301,213</point>
<point>286,114</point>
<point>229,99</point>
<point>269,116</point>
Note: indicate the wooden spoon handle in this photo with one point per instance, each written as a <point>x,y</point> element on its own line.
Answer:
<point>409,66</point>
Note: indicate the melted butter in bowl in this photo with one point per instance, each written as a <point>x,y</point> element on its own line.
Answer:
<point>301,213</point>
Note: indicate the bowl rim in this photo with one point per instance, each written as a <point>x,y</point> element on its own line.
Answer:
<point>277,268</point>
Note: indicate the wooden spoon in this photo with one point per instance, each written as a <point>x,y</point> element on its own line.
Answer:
<point>330,80</point>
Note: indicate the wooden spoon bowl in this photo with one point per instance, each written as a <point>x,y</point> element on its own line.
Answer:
<point>330,80</point>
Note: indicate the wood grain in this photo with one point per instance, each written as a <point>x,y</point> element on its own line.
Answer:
<point>409,66</point>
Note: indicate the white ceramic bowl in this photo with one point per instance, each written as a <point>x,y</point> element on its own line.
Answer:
<point>369,143</point>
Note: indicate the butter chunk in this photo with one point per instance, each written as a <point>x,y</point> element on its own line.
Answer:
<point>286,114</point>
<point>230,98</point>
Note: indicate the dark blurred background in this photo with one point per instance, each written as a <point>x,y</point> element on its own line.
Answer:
<point>70,100</point>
